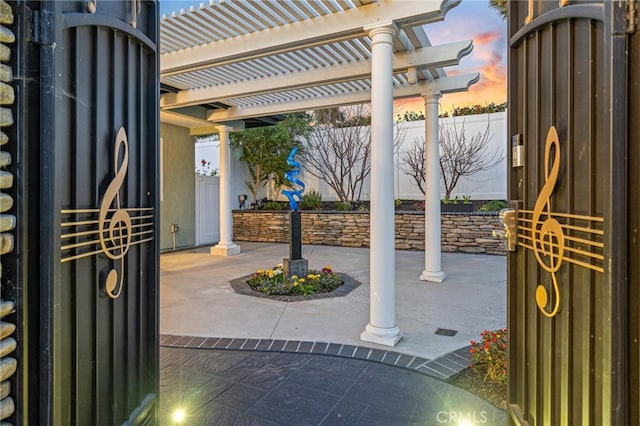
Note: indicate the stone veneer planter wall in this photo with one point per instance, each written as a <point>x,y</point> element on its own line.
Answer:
<point>461,232</point>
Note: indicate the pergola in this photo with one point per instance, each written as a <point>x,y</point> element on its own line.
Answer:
<point>235,64</point>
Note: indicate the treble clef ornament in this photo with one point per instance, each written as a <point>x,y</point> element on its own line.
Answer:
<point>550,234</point>
<point>115,231</point>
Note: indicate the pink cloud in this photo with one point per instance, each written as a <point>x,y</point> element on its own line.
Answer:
<point>494,69</point>
<point>488,37</point>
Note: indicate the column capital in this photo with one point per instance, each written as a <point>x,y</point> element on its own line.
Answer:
<point>224,128</point>
<point>230,126</point>
<point>432,97</point>
<point>384,27</point>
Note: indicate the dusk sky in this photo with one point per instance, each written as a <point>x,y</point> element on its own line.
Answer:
<point>471,19</point>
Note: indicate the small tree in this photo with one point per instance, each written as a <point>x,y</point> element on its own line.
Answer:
<point>339,154</point>
<point>265,150</point>
<point>459,157</point>
<point>339,150</point>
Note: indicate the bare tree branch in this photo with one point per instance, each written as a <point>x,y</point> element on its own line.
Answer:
<point>462,157</point>
<point>338,151</point>
<point>459,156</point>
<point>412,163</point>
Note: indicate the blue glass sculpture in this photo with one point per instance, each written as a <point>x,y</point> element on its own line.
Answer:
<point>294,194</point>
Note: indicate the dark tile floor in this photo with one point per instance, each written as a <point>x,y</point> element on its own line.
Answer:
<point>229,387</point>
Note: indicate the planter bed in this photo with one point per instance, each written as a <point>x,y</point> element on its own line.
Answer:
<point>461,232</point>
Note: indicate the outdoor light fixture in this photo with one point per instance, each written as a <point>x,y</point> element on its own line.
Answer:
<point>178,416</point>
<point>242,198</point>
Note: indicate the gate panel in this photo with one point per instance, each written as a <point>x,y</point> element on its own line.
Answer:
<point>88,250</point>
<point>566,279</point>
<point>634,227</point>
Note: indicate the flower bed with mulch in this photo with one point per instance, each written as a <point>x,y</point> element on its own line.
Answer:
<point>272,284</point>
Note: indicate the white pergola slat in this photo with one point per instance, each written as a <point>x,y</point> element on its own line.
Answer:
<point>294,35</point>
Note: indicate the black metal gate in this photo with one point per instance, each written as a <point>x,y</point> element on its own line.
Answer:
<point>573,278</point>
<point>633,217</point>
<point>84,272</point>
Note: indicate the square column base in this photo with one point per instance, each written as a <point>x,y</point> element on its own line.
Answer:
<point>297,267</point>
<point>381,336</point>
<point>436,277</point>
<point>224,250</point>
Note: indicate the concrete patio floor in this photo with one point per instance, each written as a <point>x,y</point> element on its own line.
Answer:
<point>196,299</point>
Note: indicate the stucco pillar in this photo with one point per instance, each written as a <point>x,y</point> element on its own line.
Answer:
<point>226,246</point>
<point>382,327</point>
<point>432,226</point>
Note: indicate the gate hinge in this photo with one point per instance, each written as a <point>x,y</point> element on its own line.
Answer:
<point>38,26</point>
<point>632,16</point>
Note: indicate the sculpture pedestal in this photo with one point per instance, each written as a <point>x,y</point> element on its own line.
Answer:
<point>295,264</point>
<point>297,267</point>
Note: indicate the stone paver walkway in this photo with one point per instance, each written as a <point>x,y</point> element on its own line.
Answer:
<point>230,387</point>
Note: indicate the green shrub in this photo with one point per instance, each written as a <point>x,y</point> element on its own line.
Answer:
<point>311,200</point>
<point>342,205</point>
<point>480,109</point>
<point>274,205</point>
<point>493,206</point>
<point>397,203</point>
<point>410,116</point>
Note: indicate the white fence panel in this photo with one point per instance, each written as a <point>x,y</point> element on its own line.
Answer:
<point>207,209</point>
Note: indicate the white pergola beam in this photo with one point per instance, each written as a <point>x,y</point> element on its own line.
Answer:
<point>183,120</point>
<point>303,34</point>
<point>434,56</point>
<point>451,84</point>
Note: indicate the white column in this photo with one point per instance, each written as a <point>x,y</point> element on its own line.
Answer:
<point>382,327</point>
<point>225,246</point>
<point>432,228</point>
